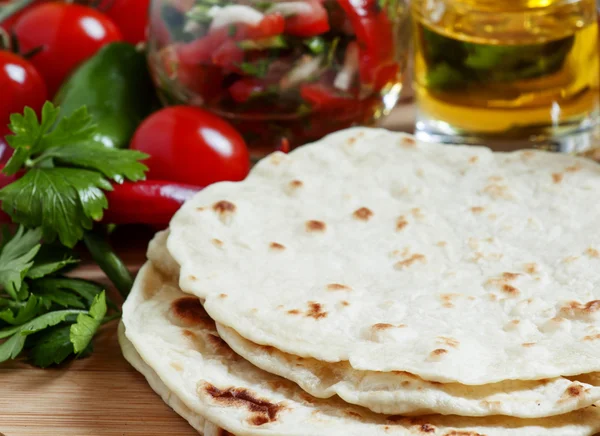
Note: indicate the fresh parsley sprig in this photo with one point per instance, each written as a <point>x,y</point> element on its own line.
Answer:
<point>62,190</point>
<point>43,312</point>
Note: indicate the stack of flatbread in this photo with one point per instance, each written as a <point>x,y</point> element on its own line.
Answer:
<point>370,284</point>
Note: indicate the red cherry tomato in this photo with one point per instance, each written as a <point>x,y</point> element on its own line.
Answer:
<point>21,85</point>
<point>131,17</point>
<point>193,146</point>
<point>66,34</point>
<point>307,23</point>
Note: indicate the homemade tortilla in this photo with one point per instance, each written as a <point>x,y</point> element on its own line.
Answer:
<point>178,341</point>
<point>456,264</point>
<point>402,392</point>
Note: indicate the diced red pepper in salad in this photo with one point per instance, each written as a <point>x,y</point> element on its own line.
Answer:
<point>289,59</point>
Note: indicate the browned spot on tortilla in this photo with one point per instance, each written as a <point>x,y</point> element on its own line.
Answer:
<point>592,252</point>
<point>511,290</point>
<point>338,287</point>
<point>528,344</point>
<point>192,278</point>
<point>353,414</point>
<point>574,390</point>
<point>276,246</point>
<point>447,299</point>
<point>441,244</point>
<point>217,242</point>
<point>510,275</point>
<point>411,260</point>
<point>531,268</point>
<point>363,214</point>
<point>222,295</point>
<point>575,308</point>
<point>570,259</point>
<point>439,352</point>
<point>351,141</point>
<point>557,177</point>
<point>416,212</point>
<point>190,311</point>
<point>315,310</point>
<point>495,178</point>
<point>295,184</point>
<point>477,209</point>
<point>401,223</point>
<point>451,342</point>
<point>176,366</point>
<point>473,159</point>
<point>345,303</point>
<point>427,428</point>
<point>515,322</point>
<point>382,326</point>
<point>224,207</point>
<point>276,158</point>
<point>493,297</point>
<point>200,209</point>
<point>591,337</point>
<point>294,312</point>
<point>573,168</point>
<point>262,411</point>
<point>315,226</point>
<point>497,191</point>
<point>408,142</point>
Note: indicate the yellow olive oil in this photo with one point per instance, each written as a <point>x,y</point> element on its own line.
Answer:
<point>513,69</point>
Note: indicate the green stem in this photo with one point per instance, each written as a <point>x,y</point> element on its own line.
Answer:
<point>12,8</point>
<point>109,318</point>
<point>108,261</point>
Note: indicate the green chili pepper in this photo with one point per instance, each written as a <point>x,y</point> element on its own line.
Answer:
<point>116,88</point>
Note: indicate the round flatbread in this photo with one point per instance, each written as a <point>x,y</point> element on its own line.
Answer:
<point>452,263</point>
<point>402,392</point>
<point>178,341</point>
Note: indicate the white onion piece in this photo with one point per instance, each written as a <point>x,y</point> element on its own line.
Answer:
<point>288,9</point>
<point>233,14</point>
<point>343,79</point>
<point>301,72</point>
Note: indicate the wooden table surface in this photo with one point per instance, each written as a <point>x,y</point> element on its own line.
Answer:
<point>102,394</point>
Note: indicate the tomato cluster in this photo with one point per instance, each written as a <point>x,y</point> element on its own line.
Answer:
<point>186,145</point>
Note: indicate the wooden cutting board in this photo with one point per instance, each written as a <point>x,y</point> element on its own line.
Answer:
<point>102,394</point>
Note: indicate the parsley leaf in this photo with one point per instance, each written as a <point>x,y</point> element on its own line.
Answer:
<point>16,258</point>
<point>13,346</point>
<point>25,313</point>
<point>57,286</point>
<point>113,163</point>
<point>51,346</point>
<point>51,258</point>
<point>85,328</point>
<point>63,190</point>
<point>63,201</point>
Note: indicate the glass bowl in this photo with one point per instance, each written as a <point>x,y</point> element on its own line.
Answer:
<point>283,72</point>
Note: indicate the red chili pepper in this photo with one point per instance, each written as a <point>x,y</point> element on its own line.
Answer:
<point>375,37</point>
<point>146,202</point>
